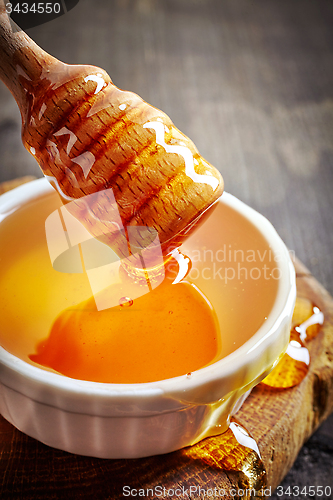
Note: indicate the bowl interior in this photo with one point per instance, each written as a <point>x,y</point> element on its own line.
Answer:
<point>238,262</point>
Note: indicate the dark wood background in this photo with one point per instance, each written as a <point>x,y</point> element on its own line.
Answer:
<point>251,82</point>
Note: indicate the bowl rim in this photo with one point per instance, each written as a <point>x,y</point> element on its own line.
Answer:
<point>216,372</point>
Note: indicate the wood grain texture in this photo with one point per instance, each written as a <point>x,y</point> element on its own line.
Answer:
<point>280,421</point>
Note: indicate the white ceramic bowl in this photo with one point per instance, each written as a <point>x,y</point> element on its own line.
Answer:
<point>137,420</point>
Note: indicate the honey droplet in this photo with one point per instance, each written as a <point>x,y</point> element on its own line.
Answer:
<point>125,302</point>
<point>310,328</point>
<point>307,318</point>
<point>292,367</point>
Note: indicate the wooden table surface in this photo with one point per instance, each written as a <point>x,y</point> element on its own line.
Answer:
<point>251,83</point>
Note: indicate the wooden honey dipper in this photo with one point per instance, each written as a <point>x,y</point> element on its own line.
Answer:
<point>91,138</point>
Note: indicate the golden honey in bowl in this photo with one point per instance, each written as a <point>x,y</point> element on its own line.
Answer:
<point>168,332</point>
<point>49,318</point>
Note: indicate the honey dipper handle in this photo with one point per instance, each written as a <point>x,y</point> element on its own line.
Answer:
<point>22,61</point>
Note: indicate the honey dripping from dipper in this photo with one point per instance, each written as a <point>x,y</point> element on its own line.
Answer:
<point>134,182</point>
<point>138,185</point>
<point>164,332</point>
<point>89,137</point>
<point>123,166</point>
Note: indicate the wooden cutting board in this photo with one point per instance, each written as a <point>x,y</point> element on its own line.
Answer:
<point>280,422</point>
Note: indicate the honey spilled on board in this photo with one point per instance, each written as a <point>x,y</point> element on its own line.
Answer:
<point>294,364</point>
<point>236,451</point>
